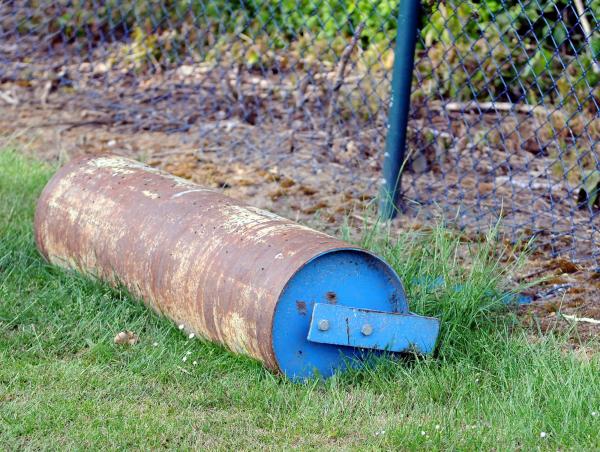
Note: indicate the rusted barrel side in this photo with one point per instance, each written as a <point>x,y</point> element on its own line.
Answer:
<point>231,273</point>
<point>200,258</point>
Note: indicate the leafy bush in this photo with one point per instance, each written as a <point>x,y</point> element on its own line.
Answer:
<point>533,43</point>
<point>490,49</point>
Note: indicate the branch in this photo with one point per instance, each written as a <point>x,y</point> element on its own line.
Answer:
<point>587,29</point>
<point>339,80</point>
<point>581,319</point>
<point>493,106</point>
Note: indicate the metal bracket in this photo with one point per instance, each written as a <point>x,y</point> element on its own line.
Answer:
<point>364,328</point>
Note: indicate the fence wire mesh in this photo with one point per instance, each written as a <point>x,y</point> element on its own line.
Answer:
<point>285,102</point>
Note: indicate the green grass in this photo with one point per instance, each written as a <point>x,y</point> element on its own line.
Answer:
<point>64,384</point>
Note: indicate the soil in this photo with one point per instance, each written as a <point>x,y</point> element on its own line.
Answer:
<point>255,140</point>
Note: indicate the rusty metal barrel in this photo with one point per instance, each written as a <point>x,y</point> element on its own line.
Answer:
<point>300,301</point>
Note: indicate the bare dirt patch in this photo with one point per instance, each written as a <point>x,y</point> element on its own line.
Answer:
<point>284,166</point>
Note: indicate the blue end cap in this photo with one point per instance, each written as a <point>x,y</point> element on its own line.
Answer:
<point>347,277</point>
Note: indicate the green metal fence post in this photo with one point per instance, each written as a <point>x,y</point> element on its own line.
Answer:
<point>404,56</point>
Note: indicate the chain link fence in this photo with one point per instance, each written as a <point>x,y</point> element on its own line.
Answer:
<point>504,118</point>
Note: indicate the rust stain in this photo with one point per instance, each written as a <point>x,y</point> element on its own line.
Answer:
<point>301,307</point>
<point>331,297</point>
<point>192,254</point>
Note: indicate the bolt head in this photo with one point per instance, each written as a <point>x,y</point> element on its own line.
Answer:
<point>323,325</point>
<point>366,329</point>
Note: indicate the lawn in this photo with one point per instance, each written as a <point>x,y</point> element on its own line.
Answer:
<point>64,384</point>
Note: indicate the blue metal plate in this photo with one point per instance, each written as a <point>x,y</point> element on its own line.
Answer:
<point>376,330</point>
<point>344,277</point>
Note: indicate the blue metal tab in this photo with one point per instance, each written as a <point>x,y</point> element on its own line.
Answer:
<point>364,328</point>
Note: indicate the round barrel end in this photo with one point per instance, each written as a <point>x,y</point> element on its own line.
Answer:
<point>343,277</point>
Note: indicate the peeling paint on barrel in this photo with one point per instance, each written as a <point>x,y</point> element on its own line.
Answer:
<point>198,257</point>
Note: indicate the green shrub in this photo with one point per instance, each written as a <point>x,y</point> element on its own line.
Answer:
<point>506,51</point>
